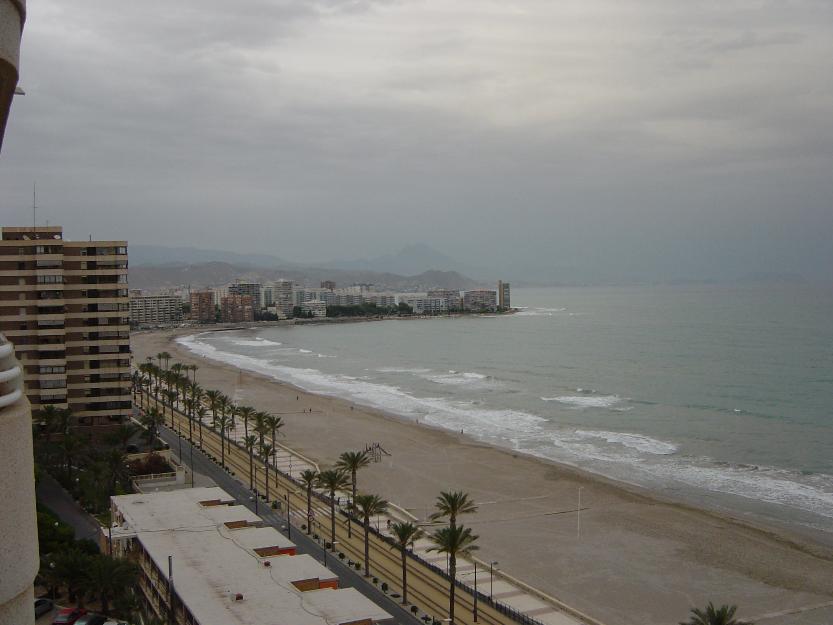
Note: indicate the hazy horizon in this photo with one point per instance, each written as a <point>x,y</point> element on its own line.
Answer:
<point>585,141</point>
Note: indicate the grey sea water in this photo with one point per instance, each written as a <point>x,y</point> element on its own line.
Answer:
<point>719,396</point>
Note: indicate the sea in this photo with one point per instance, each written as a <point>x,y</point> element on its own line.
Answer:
<point>716,396</point>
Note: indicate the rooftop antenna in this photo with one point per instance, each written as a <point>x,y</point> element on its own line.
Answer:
<point>34,204</point>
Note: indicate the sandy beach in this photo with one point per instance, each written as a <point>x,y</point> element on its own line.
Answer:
<point>639,560</point>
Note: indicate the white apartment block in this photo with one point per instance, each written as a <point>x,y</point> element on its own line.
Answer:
<point>155,310</point>
<point>317,308</point>
<point>423,305</point>
<point>480,300</point>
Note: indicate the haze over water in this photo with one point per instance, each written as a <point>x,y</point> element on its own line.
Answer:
<point>719,396</point>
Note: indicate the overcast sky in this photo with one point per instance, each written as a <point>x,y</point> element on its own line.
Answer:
<point>601,139</point>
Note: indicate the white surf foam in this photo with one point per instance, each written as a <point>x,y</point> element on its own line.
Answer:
<point>645,444</point>
<point>402,370</point>
<point>461,378</point>
<point>305,351</point>
<point>258,342</point>
<point>586,401</point>
<point>629,456</point>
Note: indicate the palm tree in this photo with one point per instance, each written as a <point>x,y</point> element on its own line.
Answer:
<point>260,427</point>
<point>222,424</point>
<point>273,424</point>
<point>246,413</point>
<point>724,615</point>
<point>107,578</point>
<point>116,463</point>
<point>213,397</point>
<point>333,480</point>
<point>164,356</point>
<point>368,506</point>
<point>266,451</point>
<point>70,445</point>
<point>249,443</point>
<point>352,461</point>
<point>405,534</point>
<point>151,421</point>
<point>122,434</point>
<point>456,540</point>
<point>451,505</point>
<point>171,397</point>
<point>201,412</point>
<point>309,478</point>
<point>69,568</point>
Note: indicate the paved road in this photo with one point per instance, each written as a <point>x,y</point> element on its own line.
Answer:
<point>348,577</point>
<point>54,497</point>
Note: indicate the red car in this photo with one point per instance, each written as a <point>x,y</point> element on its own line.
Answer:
<point>68,616</point>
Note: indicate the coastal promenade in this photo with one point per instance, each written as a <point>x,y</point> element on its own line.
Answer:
<point>500,598</point>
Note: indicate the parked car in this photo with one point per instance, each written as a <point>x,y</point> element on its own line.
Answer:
<point>115,623</point>
<point>42,606</point>
<point>91,619</point>
<point>68,616</point>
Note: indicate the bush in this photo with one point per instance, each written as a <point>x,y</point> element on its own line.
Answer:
<point>274,505</point>
<point>414,610</point>
<point>152,463</point>
<point>375,580</point>
<point>358,566</point>
<point>341,555</point>
<point>384,586</point>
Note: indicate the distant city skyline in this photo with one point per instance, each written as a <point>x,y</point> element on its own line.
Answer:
<point>582,141</point>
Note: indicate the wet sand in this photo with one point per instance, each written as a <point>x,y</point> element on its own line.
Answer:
<point>640,560</point>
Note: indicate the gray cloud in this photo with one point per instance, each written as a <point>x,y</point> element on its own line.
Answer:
<point>591,139</point>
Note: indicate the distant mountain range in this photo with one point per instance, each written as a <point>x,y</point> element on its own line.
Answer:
<point>218,273</point>
<point>157,255</point>
<point>414,268</point>
<point>410,260</point>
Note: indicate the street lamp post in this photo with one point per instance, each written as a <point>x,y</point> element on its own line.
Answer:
<point>288,524</point>
<point>492,566</point>
<point>334,543</point>
<point>475,590</point>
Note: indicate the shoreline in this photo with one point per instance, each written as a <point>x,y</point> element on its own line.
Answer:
<point>677,542</point>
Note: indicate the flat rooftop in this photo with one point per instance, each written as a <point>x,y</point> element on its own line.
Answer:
<point>221,551</point>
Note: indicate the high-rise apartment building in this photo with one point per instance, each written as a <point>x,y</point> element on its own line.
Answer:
<point>284,299</point>
<point>504,301</point>
<point>202,306</point>
<point>236,308</point>
<point>330,285</point>
<point>480,300</point>
<point>453,297</point>
<point>65,306</point>
<point>155,310</point>
<point>252,289</point>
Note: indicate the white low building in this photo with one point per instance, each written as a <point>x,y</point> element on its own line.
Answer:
<point>204,559</point>
<point>316,308</point>
<point>423,305</point>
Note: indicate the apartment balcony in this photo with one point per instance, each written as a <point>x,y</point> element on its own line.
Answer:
<point>103,384</point>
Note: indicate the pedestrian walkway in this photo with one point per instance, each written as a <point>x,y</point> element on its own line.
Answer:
<point>490,582</point>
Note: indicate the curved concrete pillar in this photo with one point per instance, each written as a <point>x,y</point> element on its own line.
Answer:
<point>18,523</point>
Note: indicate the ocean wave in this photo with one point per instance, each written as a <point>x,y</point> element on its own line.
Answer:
<point>305,351</point>
<point>258,342</point>
<point>403,370</point>
<point>464,378</point>
<point>623,455</point>
<point>586,401</point>
<point>645,444</point>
